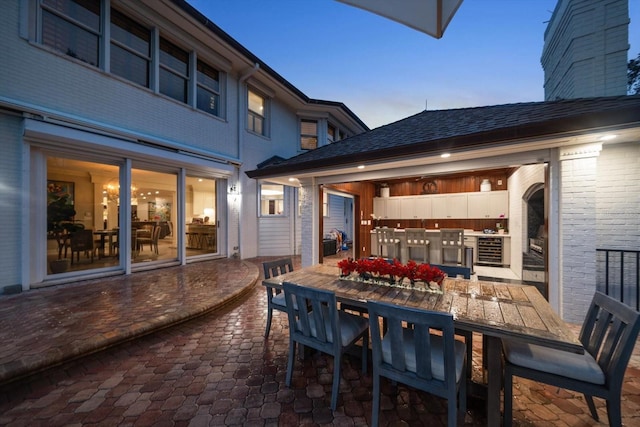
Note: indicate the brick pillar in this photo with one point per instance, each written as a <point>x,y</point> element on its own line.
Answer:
<point>577,235</point>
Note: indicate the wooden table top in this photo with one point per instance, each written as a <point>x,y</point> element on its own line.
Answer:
<point>497,309</point>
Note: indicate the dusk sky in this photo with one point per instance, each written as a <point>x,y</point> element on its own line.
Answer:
<point>384,71</point>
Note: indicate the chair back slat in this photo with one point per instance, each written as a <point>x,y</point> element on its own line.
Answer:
<point>317,326</point>
<point>423,322</point>
<point>277,267</point>
<point>609,334</point>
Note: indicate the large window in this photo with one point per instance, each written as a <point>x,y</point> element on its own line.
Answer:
<point>208,89</point>
<point>308,134</point>
<point>174,70</point>
<point>271,199</point>
<point>257,113</point>
<point>73,27</point>
<point>130,49</point>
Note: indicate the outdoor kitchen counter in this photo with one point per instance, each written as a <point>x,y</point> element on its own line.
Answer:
<point>470,240</point>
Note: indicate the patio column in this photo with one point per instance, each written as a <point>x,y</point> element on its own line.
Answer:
<point>309,228</point>
<point>578,174</point>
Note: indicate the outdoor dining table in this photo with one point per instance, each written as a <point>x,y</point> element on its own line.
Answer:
<point>496,309</point>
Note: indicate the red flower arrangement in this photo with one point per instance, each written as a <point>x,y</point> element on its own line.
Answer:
<point>382,269</point>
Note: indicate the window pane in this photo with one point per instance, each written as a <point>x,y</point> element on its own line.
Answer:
<point>130,33</point>
<point>208,77</point>
<point>86,12</point>
<point>256,103</point>
<point>256,123</point>
<point>153,209</point>
<point>201,215</point>
<point>271,199</point>
<point>308,134</point>
<point>208,101</point>
<point>174,58</point>
<point>128,65</point>
<point>173,85</point>
<point>69,38</point>
<point>82,220</point>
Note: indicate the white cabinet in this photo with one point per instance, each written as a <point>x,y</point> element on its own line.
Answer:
<point>449,206</point>
<point>488,204</point>
<point>386,207</point>
<point>415,207</point>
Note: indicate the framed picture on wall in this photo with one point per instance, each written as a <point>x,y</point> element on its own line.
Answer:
<point>59,189</point>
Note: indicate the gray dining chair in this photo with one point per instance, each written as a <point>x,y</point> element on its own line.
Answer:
<point>608,335</point>
<point>324,328</point>
<point>275,297</point>
<point>415,356</point>
<point>387,238</point>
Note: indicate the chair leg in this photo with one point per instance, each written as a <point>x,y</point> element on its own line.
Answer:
<point>365,352</point>
<point>462,395</point>
<point>292,356</point>
<point>508,398</point>
<point>592,407</point>
<point>613,411</point>
<point>268,328</point>
<point>375,407</point>
<point>335,388</point>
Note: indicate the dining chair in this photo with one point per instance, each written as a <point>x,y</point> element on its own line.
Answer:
<point>81,241</point>
<point>417,238</point>
<point>323,327</point>
<point>415,356</point>
<point>275,297</point>
<point>608,336</point>
<point>145,237</point>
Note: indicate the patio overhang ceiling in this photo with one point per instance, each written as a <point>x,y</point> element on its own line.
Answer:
<point>428,16</point>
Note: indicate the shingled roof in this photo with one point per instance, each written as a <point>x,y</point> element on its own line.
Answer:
<point>463,129</point>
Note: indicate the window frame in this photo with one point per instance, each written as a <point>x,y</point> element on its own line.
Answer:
<point>131,50</point>
<point>171,70</point>
<point>252,115</point>
<point>202,85</point>
<point>261,214</point>
<point>308,136</point>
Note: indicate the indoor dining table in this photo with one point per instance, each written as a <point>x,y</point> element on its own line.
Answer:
<point>105,234</point>
<point>496,309</point>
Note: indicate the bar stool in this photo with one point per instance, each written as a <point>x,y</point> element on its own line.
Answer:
<point>387,239</point>
<point>452,244</point>
<point>417,238</point>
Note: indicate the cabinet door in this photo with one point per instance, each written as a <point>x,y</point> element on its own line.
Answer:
<point>423,207</point>
<point>439,208</point>
<point>498,204</point>
<point>380,207</point>
<point>393,208</point>
<point>478,205</point>
<point>457,205</point>
<point>408,208</point>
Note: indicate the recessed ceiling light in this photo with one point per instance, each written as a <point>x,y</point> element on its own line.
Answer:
<point>360,166</point>
<point>445,155</point>
<point>292,179</point>
<point>607,137</point>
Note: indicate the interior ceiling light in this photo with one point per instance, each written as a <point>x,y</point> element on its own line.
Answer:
<point>292,179</point>
<point>360,166</point>
<point>445,155</point>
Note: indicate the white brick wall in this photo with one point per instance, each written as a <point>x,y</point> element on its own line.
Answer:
<point>306,199</point>
<point>585,49</point>
<point>10,199</point>
<point>577,238</point>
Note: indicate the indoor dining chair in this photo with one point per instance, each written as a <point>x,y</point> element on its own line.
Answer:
<point>275,297</point>
<point>323,327</point>
<point>608,336</point>
<point>415,356</point>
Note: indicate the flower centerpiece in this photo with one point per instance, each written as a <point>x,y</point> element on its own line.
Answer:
<point>392,273</point>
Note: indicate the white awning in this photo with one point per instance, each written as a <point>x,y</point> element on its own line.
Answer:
<point>428,16</point>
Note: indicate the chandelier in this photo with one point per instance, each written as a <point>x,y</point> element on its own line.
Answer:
<point>112,191</point>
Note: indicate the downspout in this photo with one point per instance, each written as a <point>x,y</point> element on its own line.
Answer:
<point>241,80</point>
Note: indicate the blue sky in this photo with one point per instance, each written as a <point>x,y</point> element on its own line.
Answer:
<point>384,71</point>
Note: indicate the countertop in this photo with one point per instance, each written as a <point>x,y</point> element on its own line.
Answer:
<point>471,233</point>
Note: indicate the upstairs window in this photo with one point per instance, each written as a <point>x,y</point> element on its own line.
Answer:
<point>208,96</point>
<point>308,134</point>
<point>257,113</point>
<point>331,133</point>
<point>271,199</point>
<point>130,49</point>
<point>73,27</point>
<point>174,71</point>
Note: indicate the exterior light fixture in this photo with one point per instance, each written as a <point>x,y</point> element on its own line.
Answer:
<point>360,166</point>
<point>445,155</point>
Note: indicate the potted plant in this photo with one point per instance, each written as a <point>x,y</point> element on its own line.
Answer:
<point>60,224</point>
